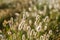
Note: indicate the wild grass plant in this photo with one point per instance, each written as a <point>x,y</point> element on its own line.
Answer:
<point>35,22</point>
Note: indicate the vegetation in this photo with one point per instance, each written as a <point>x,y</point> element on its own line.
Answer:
<point>32,21</point>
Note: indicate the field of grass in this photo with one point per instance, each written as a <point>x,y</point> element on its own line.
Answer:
<point>30,20</point>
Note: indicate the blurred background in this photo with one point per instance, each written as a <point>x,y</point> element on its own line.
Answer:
<point>29,19</point>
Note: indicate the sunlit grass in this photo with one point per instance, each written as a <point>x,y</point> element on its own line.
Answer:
<point>39,23</point>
